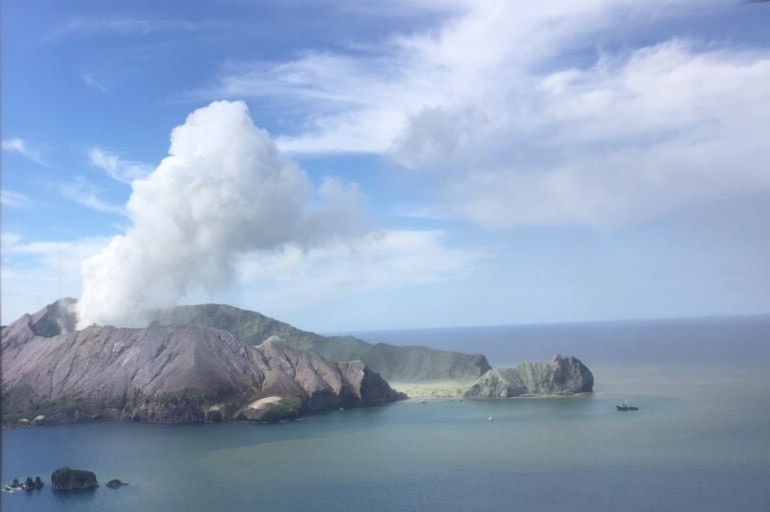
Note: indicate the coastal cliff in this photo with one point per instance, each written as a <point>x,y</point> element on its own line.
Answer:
<point>166,373</point>
<point>393,363</point>
<point>213,363</point>
<point>559,376</point>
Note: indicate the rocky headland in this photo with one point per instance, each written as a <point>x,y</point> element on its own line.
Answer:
<point>559,376</point>
<point>168,374</point>
<point>214,363</point>
<point>393,363</point>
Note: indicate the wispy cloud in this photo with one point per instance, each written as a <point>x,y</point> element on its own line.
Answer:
<point>9,198</point>
<point>21,147</point>
<point>90,81</point>
<point>37,272</point>
<point>93,26</point>
<point>124,171</point>
<point>86,194</point>
<point>514,131</point>
<point>379,260</point>
<point>50,251</point>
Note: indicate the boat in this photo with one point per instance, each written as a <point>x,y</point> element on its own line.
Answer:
<point>625,407</point>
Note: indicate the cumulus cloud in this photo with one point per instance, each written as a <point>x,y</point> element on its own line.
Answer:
<point>222,191</point>
<point>625,141</point>
<point>522,115</point>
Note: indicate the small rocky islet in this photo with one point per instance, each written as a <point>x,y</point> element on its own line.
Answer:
<point>216,363</point>
<point>64,479</point>
<point>28,485</point>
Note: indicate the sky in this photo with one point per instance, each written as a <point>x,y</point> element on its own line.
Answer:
<point>355,165</point>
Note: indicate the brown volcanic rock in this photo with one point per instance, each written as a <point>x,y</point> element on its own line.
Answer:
<point>365,385</point>
<point>164,373</point>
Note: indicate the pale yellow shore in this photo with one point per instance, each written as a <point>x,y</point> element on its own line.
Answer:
<point>432,389</point>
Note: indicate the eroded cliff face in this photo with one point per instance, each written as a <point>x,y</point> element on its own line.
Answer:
<point>559,376</point>
<point>164,373</point>
<point>393,363</point>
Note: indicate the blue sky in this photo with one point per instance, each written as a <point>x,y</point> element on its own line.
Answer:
<point>349,165</point>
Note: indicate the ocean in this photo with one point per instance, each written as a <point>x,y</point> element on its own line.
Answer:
<point>700,440</point>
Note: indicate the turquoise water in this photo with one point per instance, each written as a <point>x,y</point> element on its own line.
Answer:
<point>700,442</point>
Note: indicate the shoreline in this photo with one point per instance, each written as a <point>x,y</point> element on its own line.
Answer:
<point>432,389</point>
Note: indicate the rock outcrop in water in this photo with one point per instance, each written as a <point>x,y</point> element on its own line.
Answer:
<point>67,479</point>
<point>29,485</point>
<point>559,376</point>
<point>165,373</point>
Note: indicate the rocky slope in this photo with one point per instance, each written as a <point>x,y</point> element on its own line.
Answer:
<point>559,376</point>
<point>394,363</point>
<point>167,374</point>
<point>217,363</point>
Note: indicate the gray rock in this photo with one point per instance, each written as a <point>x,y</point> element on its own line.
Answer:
<point>167,374</point>
<point>67,479</point>
<point>393,363</point>
<point>214,414</point>
<point>270,409</point>
<point>559,376</point>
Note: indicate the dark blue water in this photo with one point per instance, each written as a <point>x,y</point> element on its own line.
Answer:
<point>634,342</point>
<point>700,441</point>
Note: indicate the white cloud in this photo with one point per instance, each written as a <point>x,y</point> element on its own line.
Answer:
<point>86,194</point>
<point>342,99</point>
<point>9,239</point>
<point>92,26</point>
<point>124,171</point>
<point>36,273</point>
<point>226,206</point>
<point>223,191</point>
<point>20,146</point>
<point>515,133</point>
<point>380,260</point>
<point>9,198</point>
<point>91,82</point>
<point>669,127</point>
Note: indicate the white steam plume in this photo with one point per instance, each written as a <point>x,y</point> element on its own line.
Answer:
<point>223,190</point>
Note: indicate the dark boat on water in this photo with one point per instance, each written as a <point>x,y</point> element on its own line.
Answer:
<point>625,407</point>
